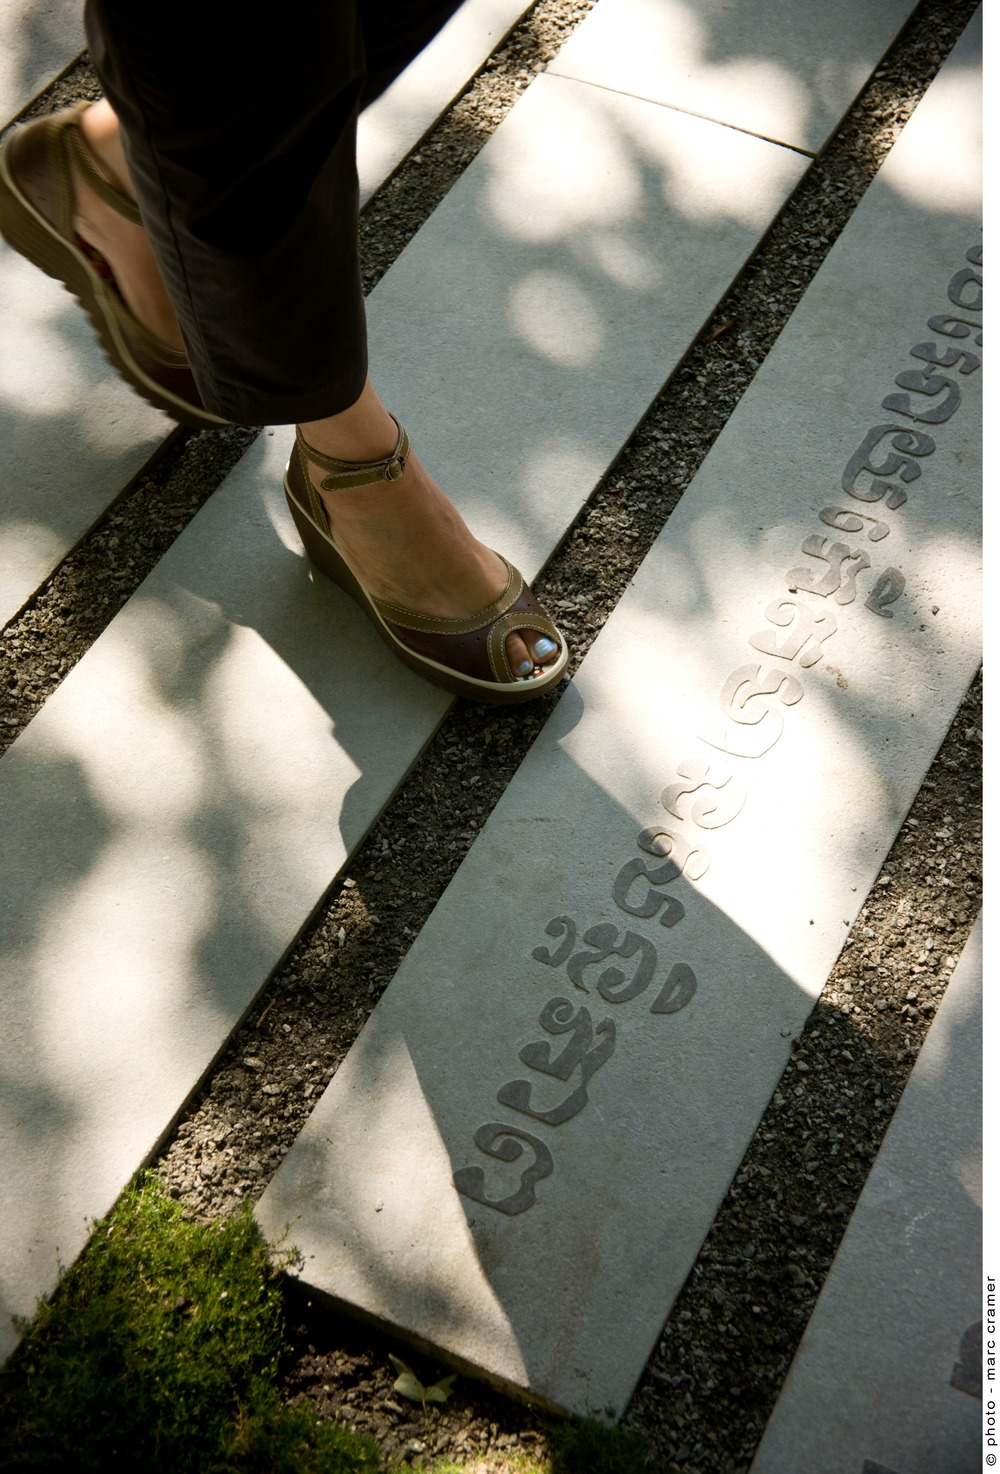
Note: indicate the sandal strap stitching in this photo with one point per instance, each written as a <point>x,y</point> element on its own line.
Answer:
<point>496,640</point>
<point>346,475</point>
<point>432,624</point>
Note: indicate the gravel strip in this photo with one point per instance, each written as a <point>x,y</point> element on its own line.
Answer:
<point>707,1392</point>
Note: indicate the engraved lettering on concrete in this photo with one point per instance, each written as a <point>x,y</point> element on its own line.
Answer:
<point>671,910</point>
<point>612,984</point>
<point>503,1143</point>
<point>967,1373</point>
<point>750,727</point>
<point>965,290</point>
<point>946,357</point>
<point>565,927</point>
<point>955,327</point>
<point>693,859</point>
<point>559,1016</point>
<point>975,255</point>
<point>887,589</point>
<point>926,382</point>
<point>707,811</point>
<point>843,564</point>
<point>744,686</point>
<point>809,628</point>
<point>846,521</point>
<point>910,442</point>
<point>677,991</point>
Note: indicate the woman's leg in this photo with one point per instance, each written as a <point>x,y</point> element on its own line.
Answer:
<point>122,243</point>
<point>241,150</point>
<point>244,168</point>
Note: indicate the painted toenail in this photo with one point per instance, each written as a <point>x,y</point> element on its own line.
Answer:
<point>543,648</point>
<point>525,668</point>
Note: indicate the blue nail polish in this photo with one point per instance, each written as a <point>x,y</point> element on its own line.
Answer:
<point>525,668</point>
<point>544,647</point>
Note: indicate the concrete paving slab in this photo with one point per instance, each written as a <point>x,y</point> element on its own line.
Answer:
<point>176,811</point>
<point>72,434</point>
<point>521,1156</point>
<point>785,71</point>
<point>171,818</point>
<point>554,290</point>
<point>398,119</point>
<point>38,39</point>
<point>901,1310</point>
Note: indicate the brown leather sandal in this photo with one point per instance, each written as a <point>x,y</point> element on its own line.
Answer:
<point>36,217</point>
<point>467,656</point>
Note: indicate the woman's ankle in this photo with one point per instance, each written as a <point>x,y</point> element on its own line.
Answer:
<point>365,431</point>
<point>102,135</point>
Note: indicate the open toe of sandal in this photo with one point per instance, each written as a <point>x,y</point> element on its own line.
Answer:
<point>36,218</point>
<point>467,656</point>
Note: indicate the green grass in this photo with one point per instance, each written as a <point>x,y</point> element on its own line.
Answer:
<point>160,1351</point>
<point>576,1448</point>
<point>591,1448</point>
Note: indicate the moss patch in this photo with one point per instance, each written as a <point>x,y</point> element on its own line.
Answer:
<point>160,1349</point>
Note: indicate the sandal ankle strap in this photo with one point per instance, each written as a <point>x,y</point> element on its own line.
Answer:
<point>345,475</point>
<point>70,132</point>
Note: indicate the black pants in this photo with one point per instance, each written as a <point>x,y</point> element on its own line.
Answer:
<point>242,149</point>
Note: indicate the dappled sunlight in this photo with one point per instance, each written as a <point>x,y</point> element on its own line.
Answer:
<point>141,755</point>
<point>245,736</point>
<point>627,263</point>
<point>589,166</point>
<point>940,171</point>
<point>555,316</point>
<point>687,656</point>
<point>816,749</point>
<point>24,546</point>
<point>108,933</point>
<point>710,173</point>
<point>543,471</point>
<point>671,52</point>
<point>572,266</point>
<point>72,433</point>
<point>760,69</point>
<point>571,171</point>
<point>745,82</point>
<point>389,127</point>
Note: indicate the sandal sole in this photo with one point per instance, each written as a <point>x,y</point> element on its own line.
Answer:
<point>31,235</point>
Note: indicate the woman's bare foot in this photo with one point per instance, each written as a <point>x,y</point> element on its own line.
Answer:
<point>403,539</point>
<point>123,244</point>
